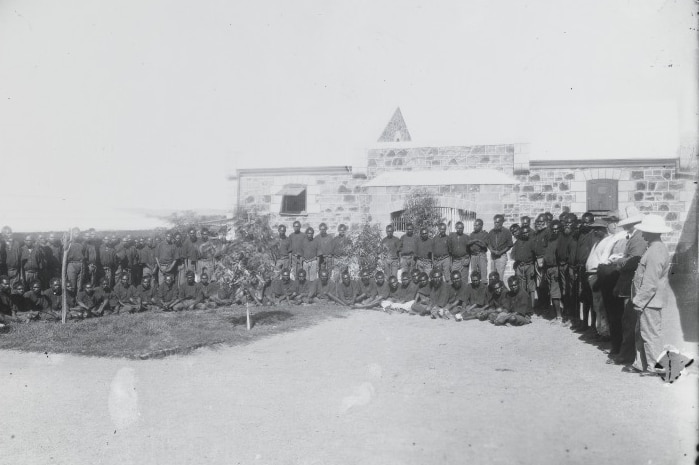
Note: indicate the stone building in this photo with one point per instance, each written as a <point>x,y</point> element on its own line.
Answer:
<point>468,182</point>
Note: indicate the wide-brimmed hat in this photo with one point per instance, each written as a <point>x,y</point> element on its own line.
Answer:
<point>632,216</point>
<point>611,217</point>
<point>653,224</point>
<point>598,224</point>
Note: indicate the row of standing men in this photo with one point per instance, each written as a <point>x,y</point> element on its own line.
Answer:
<point>91,257</point>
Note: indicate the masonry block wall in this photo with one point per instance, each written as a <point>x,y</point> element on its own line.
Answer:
<point>396,158</point>
<point>330,199</point>
<point>652,189</point>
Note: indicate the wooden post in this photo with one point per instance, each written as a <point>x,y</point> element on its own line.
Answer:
<point>247,312</point>
<point>67,239</point>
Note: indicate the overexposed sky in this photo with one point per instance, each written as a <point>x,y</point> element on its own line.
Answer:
<point>150,104</point>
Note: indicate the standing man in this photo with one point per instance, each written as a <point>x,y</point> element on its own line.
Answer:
<point>76,261</point>
<point>108,260</point>
<point>649,293</point>
<point>282,250</point>
<point>586,239</point>
<point>325,248</point>
<point>594,258</point>
<point>623,350</point>
<point>297,240</point>
<point>207,254</point>
<point>423,252</point>
<point>166,258</point>
<point>499,241</point>
<point>190,249</point>
<point>341,245</point>
<point>32,261</point>
<point>92,257</point>
<point>551,273</point>
<point>440,252</point>
<point>478,248</point>
<point>146,256</point>
<point>457,243</point>
<point>13,262</point>
<point>523,263</point>
<point>564,277</point>
<point>408,244</point>
<point>391,250</point>
<point>53,252</point>
<point>309,255</point>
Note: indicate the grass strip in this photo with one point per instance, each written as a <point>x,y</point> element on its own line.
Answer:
<point>158,334</point>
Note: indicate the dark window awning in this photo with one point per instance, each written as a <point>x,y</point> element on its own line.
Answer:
<point>292,189</point>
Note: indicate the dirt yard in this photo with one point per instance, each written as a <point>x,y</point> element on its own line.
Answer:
<point>368,389</point>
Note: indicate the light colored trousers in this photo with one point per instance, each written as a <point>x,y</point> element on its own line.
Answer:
<point>648,337</point>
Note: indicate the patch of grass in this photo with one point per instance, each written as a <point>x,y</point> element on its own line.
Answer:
<point>148,333</point>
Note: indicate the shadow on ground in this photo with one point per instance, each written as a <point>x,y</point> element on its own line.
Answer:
<point>262,318</point>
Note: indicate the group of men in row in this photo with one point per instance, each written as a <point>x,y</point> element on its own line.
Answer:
<point>90,257</point>
<point>449,252</point>
<point>584,271</point>
<point>416,293</point>
<point>18,305</point>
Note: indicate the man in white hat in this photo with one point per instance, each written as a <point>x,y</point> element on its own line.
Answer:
<point>622,316</point>
<point>648,294</point>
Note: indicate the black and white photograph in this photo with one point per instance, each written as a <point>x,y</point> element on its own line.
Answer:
<point>321,232</point>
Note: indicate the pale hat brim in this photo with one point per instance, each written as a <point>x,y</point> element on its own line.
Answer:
<point>654,224</point>
<point>631,220</point>
<point>654,229</point>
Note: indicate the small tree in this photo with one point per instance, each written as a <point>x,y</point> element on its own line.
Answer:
<point>420,208</point>
<point>248,258</point>
<point>363,250</point>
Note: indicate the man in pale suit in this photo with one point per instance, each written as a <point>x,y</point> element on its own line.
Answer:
<point>649,294</point>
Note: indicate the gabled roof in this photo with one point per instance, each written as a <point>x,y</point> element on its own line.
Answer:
<point>396,129</point>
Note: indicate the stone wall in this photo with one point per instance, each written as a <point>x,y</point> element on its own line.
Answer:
<point>332,199</point>
<point>652,189</point>
<point>396,158</point>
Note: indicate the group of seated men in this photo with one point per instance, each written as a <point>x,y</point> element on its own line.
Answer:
<point>417,293</point>
<point>16,305</point>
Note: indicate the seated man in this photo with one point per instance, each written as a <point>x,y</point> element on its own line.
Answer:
<point>496,302</point>
<point>457,296</point>
<point>382,291</point>
<point>54,294</point>
<point>91,301</point>
<point>39,305</point>
<point>439,296</point>
<point>283,289</point>
<point>404,296</point>
<point>208,290</point>
<point>124,294</point>
<point>421,304</point>
<point>145,295</point>
<point>168,294</point>
<point>304,289</point>
<point>517,306</point>
<point>191,296</point>
<point>322,289</point>
<point>345,291</point>
<point>106,294</point>
<point>366,291</point>
<point>8,307</point>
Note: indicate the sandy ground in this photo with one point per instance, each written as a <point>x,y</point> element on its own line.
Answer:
<point>369,389</point>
